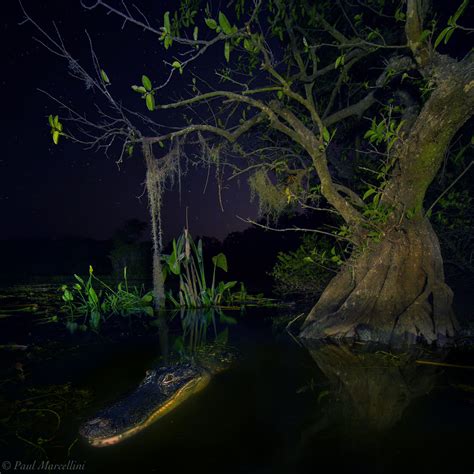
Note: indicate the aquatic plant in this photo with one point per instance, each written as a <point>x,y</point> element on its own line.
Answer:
<point>186,261</point>
<point>94,305</point>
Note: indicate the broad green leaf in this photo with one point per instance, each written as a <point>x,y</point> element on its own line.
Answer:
<point>150,102</point>
<point>166,22</point>
<point>340,61</point>
<point>441,36</point>
<point>220,261</point>
<point>56,121</point>
<point>139,89</point>
<point>149,311</point>
<point>168,41</point>
<point>176,64</point>
<point>460,10</point>
<point>224,24</point>
<point>368,193</point>
<point>104,76</point>
<point>448,35</point>
<point>51,122</point>
<point>93,295</point>
<point>146,82</point>
<point>211,23</point>
<point>227,51</point>
<point>55,137</point>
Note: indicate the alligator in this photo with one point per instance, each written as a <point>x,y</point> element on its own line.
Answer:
<point>163,389</point>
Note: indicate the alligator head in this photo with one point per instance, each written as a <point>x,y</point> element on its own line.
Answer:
<point>161,391</point>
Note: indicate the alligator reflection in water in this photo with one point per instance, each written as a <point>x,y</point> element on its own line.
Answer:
<point>169,385</point>
<point>372,388</point>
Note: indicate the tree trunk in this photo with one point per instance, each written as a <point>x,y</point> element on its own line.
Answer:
<point>393,292</point>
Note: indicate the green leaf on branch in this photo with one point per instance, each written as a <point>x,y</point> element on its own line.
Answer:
<point>139,89</point>
<point>326,135</point>
<point>166,22</point>
<point>211,23</point>
<point>368,193</point>
<point>339,61</point>
<point>56,128</point>
<point>195,33</point>
<point>104,76</point>
<point>146,82</point>
<point>150,102</point>
<point>177,65</point>
<point>227,51</point>
<point>224,24</point>
<point>442,36</point>
<point>168,41</point>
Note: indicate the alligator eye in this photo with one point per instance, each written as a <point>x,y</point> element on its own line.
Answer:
<point>168,378</point>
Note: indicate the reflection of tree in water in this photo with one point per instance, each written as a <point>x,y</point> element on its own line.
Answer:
<point>372,388</point>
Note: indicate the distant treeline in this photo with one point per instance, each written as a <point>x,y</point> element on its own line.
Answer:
<point>251,255</point>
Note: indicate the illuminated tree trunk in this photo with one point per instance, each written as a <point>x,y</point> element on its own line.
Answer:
<point>394,290</point>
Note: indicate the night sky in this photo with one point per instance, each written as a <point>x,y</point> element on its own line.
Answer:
<point>49,191</point>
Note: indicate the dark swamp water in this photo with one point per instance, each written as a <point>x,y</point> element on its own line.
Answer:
<point>280,407</point>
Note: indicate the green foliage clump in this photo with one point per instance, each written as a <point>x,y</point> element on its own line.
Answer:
<point>186,261</point>
<point>94,305</point>
<point>306,270</point>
